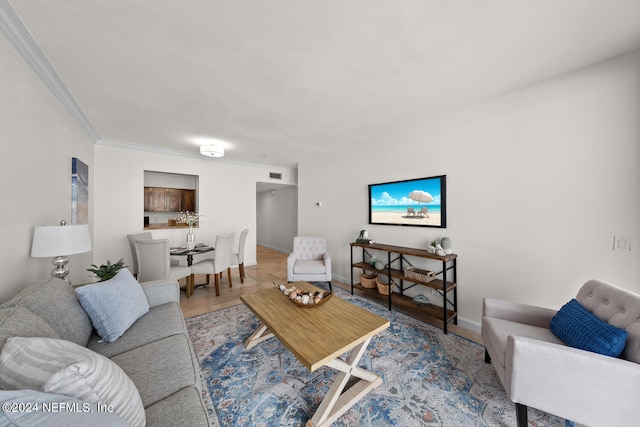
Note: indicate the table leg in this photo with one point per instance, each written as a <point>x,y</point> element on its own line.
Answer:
<point>337,402</point>
<point>261,334</point>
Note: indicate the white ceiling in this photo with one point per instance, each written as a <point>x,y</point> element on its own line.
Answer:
<point>280,78</point>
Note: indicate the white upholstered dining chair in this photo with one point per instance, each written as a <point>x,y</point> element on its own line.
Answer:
<point>154,263</point>
<point>309,260</point>
<point>132,237</point>
<point>238,257</point>
<point>221,261</point>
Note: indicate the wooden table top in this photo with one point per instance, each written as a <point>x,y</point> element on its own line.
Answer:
<point>314,335</point>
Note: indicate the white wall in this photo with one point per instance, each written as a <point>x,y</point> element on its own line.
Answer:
<point>277,221</point>
<point>539,182</point>
<point>169,180</point>
<point>39,139</point>
<point>227,198</point>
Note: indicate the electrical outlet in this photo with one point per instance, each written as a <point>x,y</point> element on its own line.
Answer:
<point>622,243</point>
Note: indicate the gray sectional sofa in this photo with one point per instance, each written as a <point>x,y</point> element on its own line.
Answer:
<point>155,352</point>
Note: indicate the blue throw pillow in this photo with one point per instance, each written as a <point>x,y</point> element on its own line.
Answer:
<point>113,305</point>
<point>579,328</point>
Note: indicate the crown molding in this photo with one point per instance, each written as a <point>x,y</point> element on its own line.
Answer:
<point>198,156</point>
<point>15,31</point>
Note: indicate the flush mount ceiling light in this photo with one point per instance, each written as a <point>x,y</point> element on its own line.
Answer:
<point>212,150</point>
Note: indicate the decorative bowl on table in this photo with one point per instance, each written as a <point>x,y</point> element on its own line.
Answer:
<point>305,299</point>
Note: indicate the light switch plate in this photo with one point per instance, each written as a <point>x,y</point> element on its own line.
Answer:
<point>622,243</point>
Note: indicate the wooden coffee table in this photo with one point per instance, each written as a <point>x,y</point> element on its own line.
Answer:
<point>317,337</point>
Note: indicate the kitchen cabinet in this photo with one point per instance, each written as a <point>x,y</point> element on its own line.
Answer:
<point>159,199</point>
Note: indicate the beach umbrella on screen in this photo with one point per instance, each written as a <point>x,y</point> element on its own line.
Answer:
<point>420,196</point>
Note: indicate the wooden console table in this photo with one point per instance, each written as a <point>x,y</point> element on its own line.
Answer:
<point>397,260</point>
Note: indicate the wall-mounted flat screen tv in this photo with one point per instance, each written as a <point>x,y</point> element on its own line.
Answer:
<point>418,202</point>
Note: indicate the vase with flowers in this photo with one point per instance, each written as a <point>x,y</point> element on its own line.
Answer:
<point>190,218</point>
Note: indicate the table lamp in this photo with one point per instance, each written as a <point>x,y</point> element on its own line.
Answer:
<point>58,241</point>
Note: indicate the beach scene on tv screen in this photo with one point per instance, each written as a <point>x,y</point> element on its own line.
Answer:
<point>415,202</point>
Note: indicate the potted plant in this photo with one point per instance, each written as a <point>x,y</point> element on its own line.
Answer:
<point>108,270</point>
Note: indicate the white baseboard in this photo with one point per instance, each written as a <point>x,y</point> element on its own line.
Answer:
<point>284,251</point>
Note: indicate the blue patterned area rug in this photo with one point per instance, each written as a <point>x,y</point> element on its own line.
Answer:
<point>429,379</point>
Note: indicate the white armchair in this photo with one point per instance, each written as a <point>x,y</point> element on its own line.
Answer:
<point>309,260</point>
<point>537,369</point>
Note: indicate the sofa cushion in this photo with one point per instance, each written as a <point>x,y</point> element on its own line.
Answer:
<point>56,303</point>
<point>309,267</point>
<point>579,328</point>
<point>113,305</point>
<point>160,322</point>
<point>183,408</point>
<point>61,411</point>
<point>161,368</point>
<point>20,322</point>
<point>62,367</point>
<point>495,333</point>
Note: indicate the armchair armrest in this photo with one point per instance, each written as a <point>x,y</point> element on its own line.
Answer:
<point>517,312</point>
<point>578,385</point>
<point>160,292</point>
<point>327,264</point>
<point>291,259</point>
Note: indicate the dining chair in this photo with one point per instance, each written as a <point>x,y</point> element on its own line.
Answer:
<point>154,263</point>
<point>132,237</point>
<point>221,261</point>
<point>238,257</point>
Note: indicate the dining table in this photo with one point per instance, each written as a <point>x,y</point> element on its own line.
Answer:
<point>200,248</point>
<point>189,253</point>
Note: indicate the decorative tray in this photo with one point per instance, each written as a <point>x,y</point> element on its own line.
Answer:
<point>305,299</point>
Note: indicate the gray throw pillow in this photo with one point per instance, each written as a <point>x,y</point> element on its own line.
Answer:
<point>20,322</point>
<point>56,303</point>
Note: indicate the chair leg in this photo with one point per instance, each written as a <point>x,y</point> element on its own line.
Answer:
<point>241,271</point>
<point>217,283</point>
<point>487,358</point>
<point>229,276</point>
<point>521,415</point>
<point>189,287</point>
<point>208,281</point>
<point>330,288</point>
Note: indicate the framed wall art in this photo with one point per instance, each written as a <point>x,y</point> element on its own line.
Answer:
<point>79,192</point>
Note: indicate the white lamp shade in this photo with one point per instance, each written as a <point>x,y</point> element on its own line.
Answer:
<point>60,240</point>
